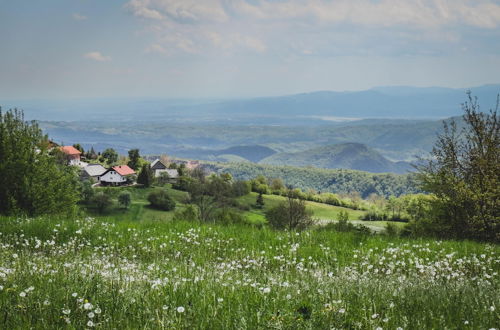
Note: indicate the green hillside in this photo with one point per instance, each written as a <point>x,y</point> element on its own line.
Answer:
<point>354,156</point>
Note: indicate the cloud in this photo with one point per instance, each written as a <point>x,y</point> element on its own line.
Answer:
<point>97,56</point>
<point>79,17</point>
<point>318,27</point>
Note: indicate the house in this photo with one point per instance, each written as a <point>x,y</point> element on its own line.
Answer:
<point>93,171</point>
<point>117,175</point>
<point>72,156</point>
<point>159,167</point>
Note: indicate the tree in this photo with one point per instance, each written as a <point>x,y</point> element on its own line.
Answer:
<point>291,214</point>
<point>464,175</point>
<point>259,203</point>
<point>146,176</point>
<point>160,199</point>
<point>134,159</point>
<point>110,156</point>
<point>32,182</point>
<point>124,198</point>
<point>78,147</point>
<point>87,192</point>
<point>199,195</point>
<point>102,202</point>
<point>163,178</point>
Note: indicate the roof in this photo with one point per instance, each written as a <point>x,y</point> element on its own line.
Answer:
<point>123,170</point>
<point>70,150</point>
<point>94,169</point>
<point>158,165</point>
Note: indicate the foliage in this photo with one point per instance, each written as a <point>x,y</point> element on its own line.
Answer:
<point>146,176</point>
<point>110,156</point>
<point>87,192</point>
<point>291,215</point>
<point>160,199</point>
<point>125,199</point>
<point>259,202</point>
<point>338,181</point>
<point>189,213</point>
<point>163,178</point>
<point>32,181</point>
<point>102,202</point>
<point>464,175</point>
<point>134,159</point>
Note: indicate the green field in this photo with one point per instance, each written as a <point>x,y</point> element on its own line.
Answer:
<point>153,273</point>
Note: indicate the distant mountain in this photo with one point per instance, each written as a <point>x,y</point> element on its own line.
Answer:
<point>298,109</point>
<point>251,153</point>
<point>355,156</point>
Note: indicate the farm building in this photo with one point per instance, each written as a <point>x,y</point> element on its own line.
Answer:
<point>117,175</point>
<point>159,167</point>
<point>93,171</point>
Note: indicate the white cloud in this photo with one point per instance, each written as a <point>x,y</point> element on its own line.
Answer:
<point>311,26</point>
<point>79,17</point>
<point>97,56</point>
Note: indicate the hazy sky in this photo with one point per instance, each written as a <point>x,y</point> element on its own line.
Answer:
<point>234,48</point>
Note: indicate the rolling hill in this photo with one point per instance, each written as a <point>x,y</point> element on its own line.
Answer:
<point>354,156</point>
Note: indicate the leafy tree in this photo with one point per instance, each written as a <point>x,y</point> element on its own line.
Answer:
<point>146,176</point>
<point>102,202</point>
<point>160,199</point>
<point>181,169</point>
<point>124,198</point>
<point>31,180</point>
<point>464,175</point>
<point>199,195</point>
<point>87,192</point>
<point>241,188</point>
<point>110,156</point>
<point>291,214</point>
<point>163,178</point>
<point>189,213</point>
<point>134,159</point>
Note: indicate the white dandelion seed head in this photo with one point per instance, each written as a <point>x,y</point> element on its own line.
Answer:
<point>180,309</point>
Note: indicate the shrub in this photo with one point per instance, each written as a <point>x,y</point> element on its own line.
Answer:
<point>102,202</point>
<point>189,213</point>
<point>291,214</point>
<point>124,199</point>
<point>160,199</point>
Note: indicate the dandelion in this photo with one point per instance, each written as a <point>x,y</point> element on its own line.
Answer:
<point>46,302</point>
<point>74,294</point>
<point>399,328</point>
<point>15,256</point>
<point>492,308</point>
<point>97,310</point>
<point>180,309</point>
<point>378,328</point>
<point>91,315</point>
<point>466,322</point>
<point>288,296</point>
<point>22,294</point>
<point>374,316</point>
<point>1,287</point>
<point>87,306</point>
<point>220,300</point>
<point>66,311</point>
<point>342,310</point>
<point>385,320</point>
<point>90,324</point>
<point>165,307</point>
<point>266,290</point>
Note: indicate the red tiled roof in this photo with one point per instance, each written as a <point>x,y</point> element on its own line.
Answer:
<point>123,170</point>
<point>70,150</point>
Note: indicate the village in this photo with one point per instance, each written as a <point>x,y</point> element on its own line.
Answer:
<point>122,175</point>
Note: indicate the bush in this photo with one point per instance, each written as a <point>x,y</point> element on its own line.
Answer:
<point>291,214</point>
<point>102,202</point>
<point>189,213</point>
<point>160,199</point>
<point>124,199</point>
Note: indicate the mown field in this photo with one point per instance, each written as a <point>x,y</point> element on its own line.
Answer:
<point>150,274</point>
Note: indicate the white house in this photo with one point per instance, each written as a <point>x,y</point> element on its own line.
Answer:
<point>117,175</point>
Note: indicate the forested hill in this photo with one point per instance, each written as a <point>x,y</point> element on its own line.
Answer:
<point>326,180</point>
<point>354,156</point>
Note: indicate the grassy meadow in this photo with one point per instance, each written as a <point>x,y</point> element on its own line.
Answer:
<point>127,274</point>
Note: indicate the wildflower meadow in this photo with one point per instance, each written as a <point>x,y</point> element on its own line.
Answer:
<point>88,273</point>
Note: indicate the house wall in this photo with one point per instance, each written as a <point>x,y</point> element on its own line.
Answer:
<point>112,177</point>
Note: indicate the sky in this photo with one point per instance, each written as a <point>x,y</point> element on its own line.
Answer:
<point>242,48</point>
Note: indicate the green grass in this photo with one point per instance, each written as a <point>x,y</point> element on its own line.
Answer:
<point>136,274</point>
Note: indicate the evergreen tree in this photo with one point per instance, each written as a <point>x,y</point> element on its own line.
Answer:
<point>31,180</point>
<point>259,203</point>
<point>145,176</point>
<point>134,159</point>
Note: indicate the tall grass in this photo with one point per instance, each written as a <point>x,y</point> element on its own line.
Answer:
<point>84,273</point>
